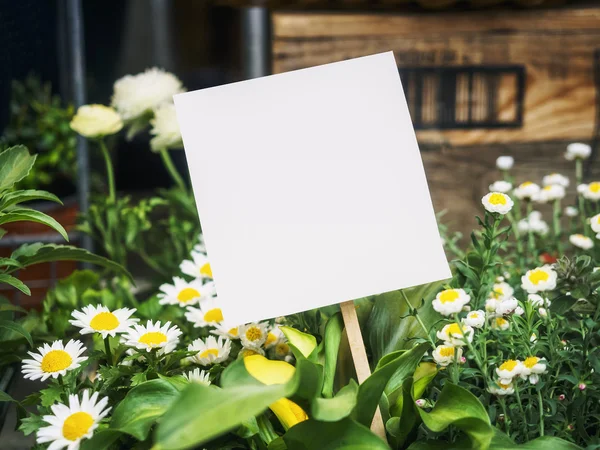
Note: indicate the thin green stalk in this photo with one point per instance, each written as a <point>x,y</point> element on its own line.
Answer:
<point>524,418</point>
<point>168,162</point>
<point>580,200</point>
<point>515,229</point>
<point>506,417</point>
<point>109,359</point>
<point>411,308</point>
<point>557,212</point>
<point>480,365</point>
<point>109,172</point>
<point>530,237</point>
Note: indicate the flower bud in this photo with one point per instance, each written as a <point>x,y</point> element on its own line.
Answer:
<point>420,402</point>
<point>500,417</point>
<point>582,386</point>
<point>561,397</point>
<point>543,313</point>
<point>570,427</point>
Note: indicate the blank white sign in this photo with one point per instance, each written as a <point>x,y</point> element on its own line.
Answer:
<point>310,188</point>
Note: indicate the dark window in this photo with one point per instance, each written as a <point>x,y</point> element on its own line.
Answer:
<point>465,97</point>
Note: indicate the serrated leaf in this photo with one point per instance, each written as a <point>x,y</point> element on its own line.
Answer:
<point>50,395</point>
<point>15,164</point>
<point>31,424</point>
<point>4,397</point>
<point>16,197</point>
<point>14,282</point>
<point>31,215</point>
<point>10,262</point>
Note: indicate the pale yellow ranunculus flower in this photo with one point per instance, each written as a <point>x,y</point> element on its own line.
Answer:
<point>276,372</point>
<point>93,121</point>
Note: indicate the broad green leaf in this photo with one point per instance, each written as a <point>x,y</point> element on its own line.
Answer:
<point>14,282</point>
<point>9,262</point>
<point>15,164</point>
<point>331,341</point>
<point>101,440</point>
<point>16,328</point>
<point>29,254</point>
<point>142,406</point>
<point>338,407</point>
<point>9,307</point>
<point>342,435</point>
<point>457,406</point>
<point>31,215</point>
<point>304,342</point>
<point>541,443</point>
<point>406,419</point>
<point>393,369</point>
<point>425,373</point>
<point>4,397</point>
<point>16,197</point>
<point>389,329</point>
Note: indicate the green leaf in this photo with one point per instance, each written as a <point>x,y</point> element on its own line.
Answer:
<point>101,440</point>
<point>29,254</point>
<point>15,327</point>
<point>142,405</point>
<point>406,419</point>
<point>304,342</point>
<point>31,215</point>
<point>4,397</point>
<point>457,406</point>
<point>31,424</point>
<point>541,443</point>
<point>16,197</point>
<point>337,408</point>
<point>15,164</point>
<point>50,395</point>
<point>9,262</point>
<point>343,435</point>
<point>331,342</point>
<point>14,282</point>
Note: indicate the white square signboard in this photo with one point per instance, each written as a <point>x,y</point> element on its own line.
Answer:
<point>310,188</point>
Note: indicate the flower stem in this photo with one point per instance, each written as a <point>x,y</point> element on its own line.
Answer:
<point>531,238</point>
<point>580,200</point>
<point>416,315</point>
<point>541,407</point>
<point>107,350</point>
<point>557,211</point>
<point>168,162</point>
<point>506,417</point>
<point>109,172</point>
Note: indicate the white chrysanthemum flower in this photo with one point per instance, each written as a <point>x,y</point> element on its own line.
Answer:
<point>497,202</point>
<point>209,313</point>
<point>281,351</point>
<point>523,225</point>
<point>502,290</point>
<point>198,267</point>
<point>136,95</point>
<point>210,351</point>
<point>226,330</point>
<point>250,351</point>
<point>533,338</point>
<point>53,360</point>
<point>539,279</point>
<point>506,306</point>
<point>198,376</point>
<point>475,319</point>
<point>571,211</point>
<point>500,323</point>
<point>501,186</point>
<point>509,369</point>
<point>578,150</point>
<point>539,227</point>
<point>184,293</point>
<point>254,334</point>
<point>533,366</point>
<point>450,301</point>
<point>452,335</point>
<point>550,193</point>
<point>99,319</point>
<point>556,178</point>
<point>581,241</point>
<point>501,388</point>
<point>200,247</point>
<point>165,128</point>
<point>274,337</point>
<point>443,355</point>
<point>491,304</point>
<point>519,311</point>
<point>153,336</point>
<point>590,191</point>
<point>69,425</point>
<point>527,191</point>
<point>542,312</point>
<point>595,223</point>
<point>94,121</point>
<point>505,162</point>
<point>537,300</point>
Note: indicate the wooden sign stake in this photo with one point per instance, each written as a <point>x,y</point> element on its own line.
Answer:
<point>359,356</point>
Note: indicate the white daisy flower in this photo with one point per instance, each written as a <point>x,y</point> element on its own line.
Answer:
<point>505,162</point>
<point>475,319</point>
<point>540,279</point>
<point>500,323</point>
<point>578,150</point>
<point>527,191</point>
<point>198,376</point>
<point>501,388</point>
<point>443,355</point>
<point>137,95</point>
<point>539,227</point>
<point>491,304</point>
<point>69,425</point>
<point>452,335</point>
<point>274,337</point>
<point>509,369</point>
<point>571,211</point>
<point>595,223</point>
<point>226,330</point>
<point>501,186</point>
<point>250,351</point>
<point>281,351</point>
<point>99,319</point>
<point>200,247</point>
<point>153,336</point>
<point>184,293</point>
<point>53,360</point>
<point>532,367</point>
<point>165,128</point>
<point>537,300</point>
<point>507,306</point>
<point>210,351</point>
<point>590,191</point>
<point>501,291</point>
<point>209,313</point>
<point>523,225</point>
<point>253,334</point>
<point>556,178</point>
<point>519,311</point>
<point>497,202</point>
<point>581,241</point>
<point>450,301</point>
<point>550,193</point>
<point>198,267</point>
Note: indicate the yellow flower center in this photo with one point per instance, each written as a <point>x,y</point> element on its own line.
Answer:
<point>509,365</point>
<point>497,199</point>
<point>598,219</point>
<point>253,333</point>
<point>188,294</point>
<point>474,316</point>
<point>282,349</point>
<point>548,188</point>
<point>454,329</point>
<point>209,351</point>
<point>447,351</point>
<point>248,352</point>
<point>531,361</point>
<point>270,338</point>
<point>500,321</point>
<point>449,295</point>
<point>56,360</point>
<point>595,187</point>
<point>214,315</point>
<point>527,183</point>
<point>499,290</point>
<point>234,331</point>
<point>206,270</point>
<point>538,275</point>
<point>504,386</point>
<point>77,425</point>
<point>153,338</point>
<point>104,321</point>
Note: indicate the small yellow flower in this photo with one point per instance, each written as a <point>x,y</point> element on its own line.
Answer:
<point>540,279</point>
<point>93,121</point>
<point>497,202</point>
<point>451,334</point>
<point>450,301</point>
<point>581,241</point>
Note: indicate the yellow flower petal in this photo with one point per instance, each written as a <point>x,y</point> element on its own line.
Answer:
<point>269,372</point>
<point>288,413</point>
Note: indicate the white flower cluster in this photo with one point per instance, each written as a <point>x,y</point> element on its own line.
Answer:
<point>533,223</point>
